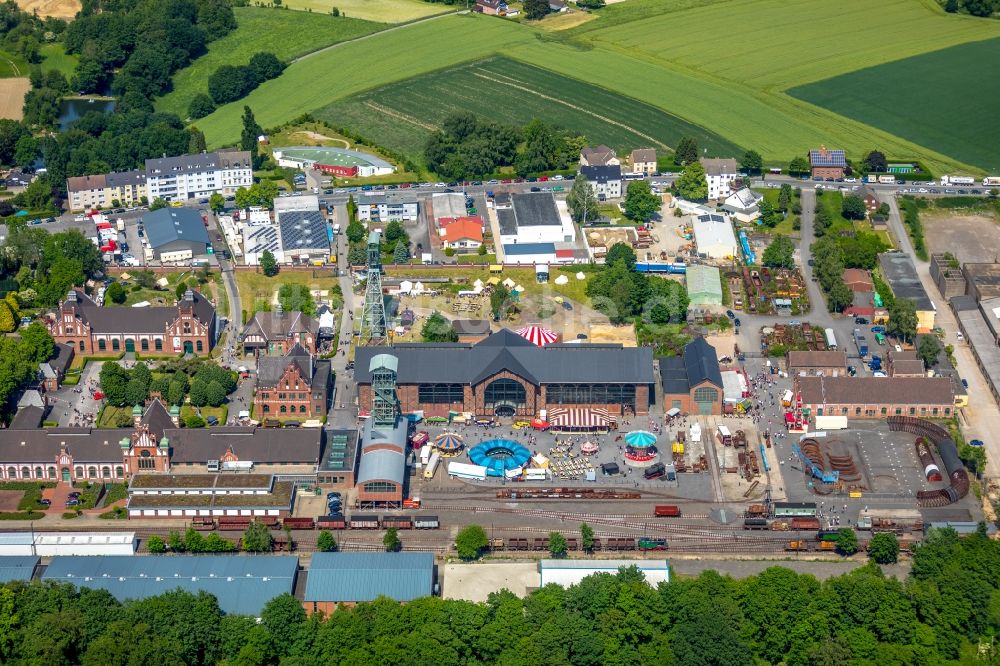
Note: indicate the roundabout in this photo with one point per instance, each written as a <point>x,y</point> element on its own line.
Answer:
<point>499,456</point>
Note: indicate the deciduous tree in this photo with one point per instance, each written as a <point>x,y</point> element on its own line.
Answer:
<point>847,541</point>
<point>780,253</point>
<point>902,319</point>
<point>692,184</point>
<point>391,540</point>
<point>438,329</point>
<point>752,162</point>
<point>558,547</point>
<point>640,202</point>
<point>929,349</point>
<point>325,543</point>
<point>268,264</point>
<point>853,207</point>
<point>257,538</point>
<point>884,547</point>
<point>581,201</point>
<point>686,151</point>
<point>470,542</point>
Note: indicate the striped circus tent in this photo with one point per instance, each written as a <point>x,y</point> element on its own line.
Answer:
<point>449,442</point>
<point>579,417</point>
<point>537,335</point>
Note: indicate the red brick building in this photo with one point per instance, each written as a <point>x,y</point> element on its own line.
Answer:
<point>505,375</point>
<point>877,397</point>
<point>53,371</point>
<point>827,163</point>
<point>278,331</point>
<point>692,382</point>
<point>190,327</point>
<point>294,385</point>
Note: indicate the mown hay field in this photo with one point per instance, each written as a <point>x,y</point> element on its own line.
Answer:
<point>284,33</point>
<point>402,115</point>
<point>776,44</point>
<point>942,100</point>
<point>382,11</point>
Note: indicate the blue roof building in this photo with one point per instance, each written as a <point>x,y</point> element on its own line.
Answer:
<point>338,578</point>
<point>174,231</point>
<point>242,584</point>
<point>17,567</point>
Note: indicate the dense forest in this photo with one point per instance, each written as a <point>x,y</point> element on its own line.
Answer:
<point>945,613</point>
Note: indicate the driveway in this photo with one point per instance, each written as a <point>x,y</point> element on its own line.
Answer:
<point>979,418</point>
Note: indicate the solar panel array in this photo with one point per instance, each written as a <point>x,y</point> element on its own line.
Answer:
<point>302,230</point>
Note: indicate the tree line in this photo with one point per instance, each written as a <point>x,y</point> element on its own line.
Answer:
<point>232,82</point>
<point>466,146</point>
<point>943,612</point>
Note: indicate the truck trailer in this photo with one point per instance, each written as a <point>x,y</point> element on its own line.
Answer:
<point>861,342</point>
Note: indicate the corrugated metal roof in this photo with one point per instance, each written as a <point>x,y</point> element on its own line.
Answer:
<point>17,567</point>
<point>242,584</point>
<point>605,565</point>
<point>366,576</point>
<point>167,225</point>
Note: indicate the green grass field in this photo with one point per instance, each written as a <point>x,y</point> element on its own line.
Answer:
<point>383,11</point>
<point>948,118</point>
<point>286,34</point>
<point>12,65</point>
<point>55,57</point>
<point>717,65</point>
<point>401,115</point>
<point>773,44</point>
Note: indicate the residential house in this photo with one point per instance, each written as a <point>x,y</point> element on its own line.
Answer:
<point>557,6</point>
<point>827,163</point>
<point>292,386</point>
<point>492,7</point>
<point>721,175</point>
<point>598,156</point>
<point>858,279</point>
<point>692,382</point>
<point>463,233</point>
<point>277,332</point>
<point>605,180</point>
<point>189,327</point>
<point>101,191</point>
<point>643,160</point>
<point>200,175</point>
<point>743,204</point>
<point>53,371</point>
<point>868,195</point>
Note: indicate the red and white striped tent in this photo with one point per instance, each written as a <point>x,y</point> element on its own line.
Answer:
<point>582,418</point>
<point>537,335</point>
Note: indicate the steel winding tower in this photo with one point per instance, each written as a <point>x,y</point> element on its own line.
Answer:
<point>373,322</point>
<point>385,406</point>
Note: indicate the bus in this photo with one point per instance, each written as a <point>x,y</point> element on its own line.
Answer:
<point>774,171</point>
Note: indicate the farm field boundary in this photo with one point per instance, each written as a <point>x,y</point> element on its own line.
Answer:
<point>778,126</point>
<point>286,34</point>
<point>950,120</point>
<point>408,111</point>
<point>818,39</point>
<point>382,11</point>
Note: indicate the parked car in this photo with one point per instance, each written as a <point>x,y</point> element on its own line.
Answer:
<point>860,320</point>
<point>72,502</point>
<point>976,442</point>
<point>567,305</point>
<point>45,502</point>
<point>736,322</point>
<point>730,314</point>
<point>965,383</point>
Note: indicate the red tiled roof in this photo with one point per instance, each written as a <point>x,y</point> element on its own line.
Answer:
<point>465,228</point>
<point>564,253</point>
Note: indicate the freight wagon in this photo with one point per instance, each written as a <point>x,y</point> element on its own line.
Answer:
<point>795,509</point>
<point>667,511</point>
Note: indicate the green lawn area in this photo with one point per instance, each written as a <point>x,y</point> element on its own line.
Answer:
<point>55,57</point>
<point>12,65</point>
<point>833,201</point>
<point>771,195</point>
<point>402,115</point>
<point>221,412</point>
<point>902,85</point>
<point>286,34</point>
<point>110,414</point>
<point>735,92</point>
<point>385,11</point>
<point>256,288</point>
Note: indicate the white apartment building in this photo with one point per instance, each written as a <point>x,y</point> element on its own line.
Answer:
<point>193,176</point>
<point>720,174</point>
